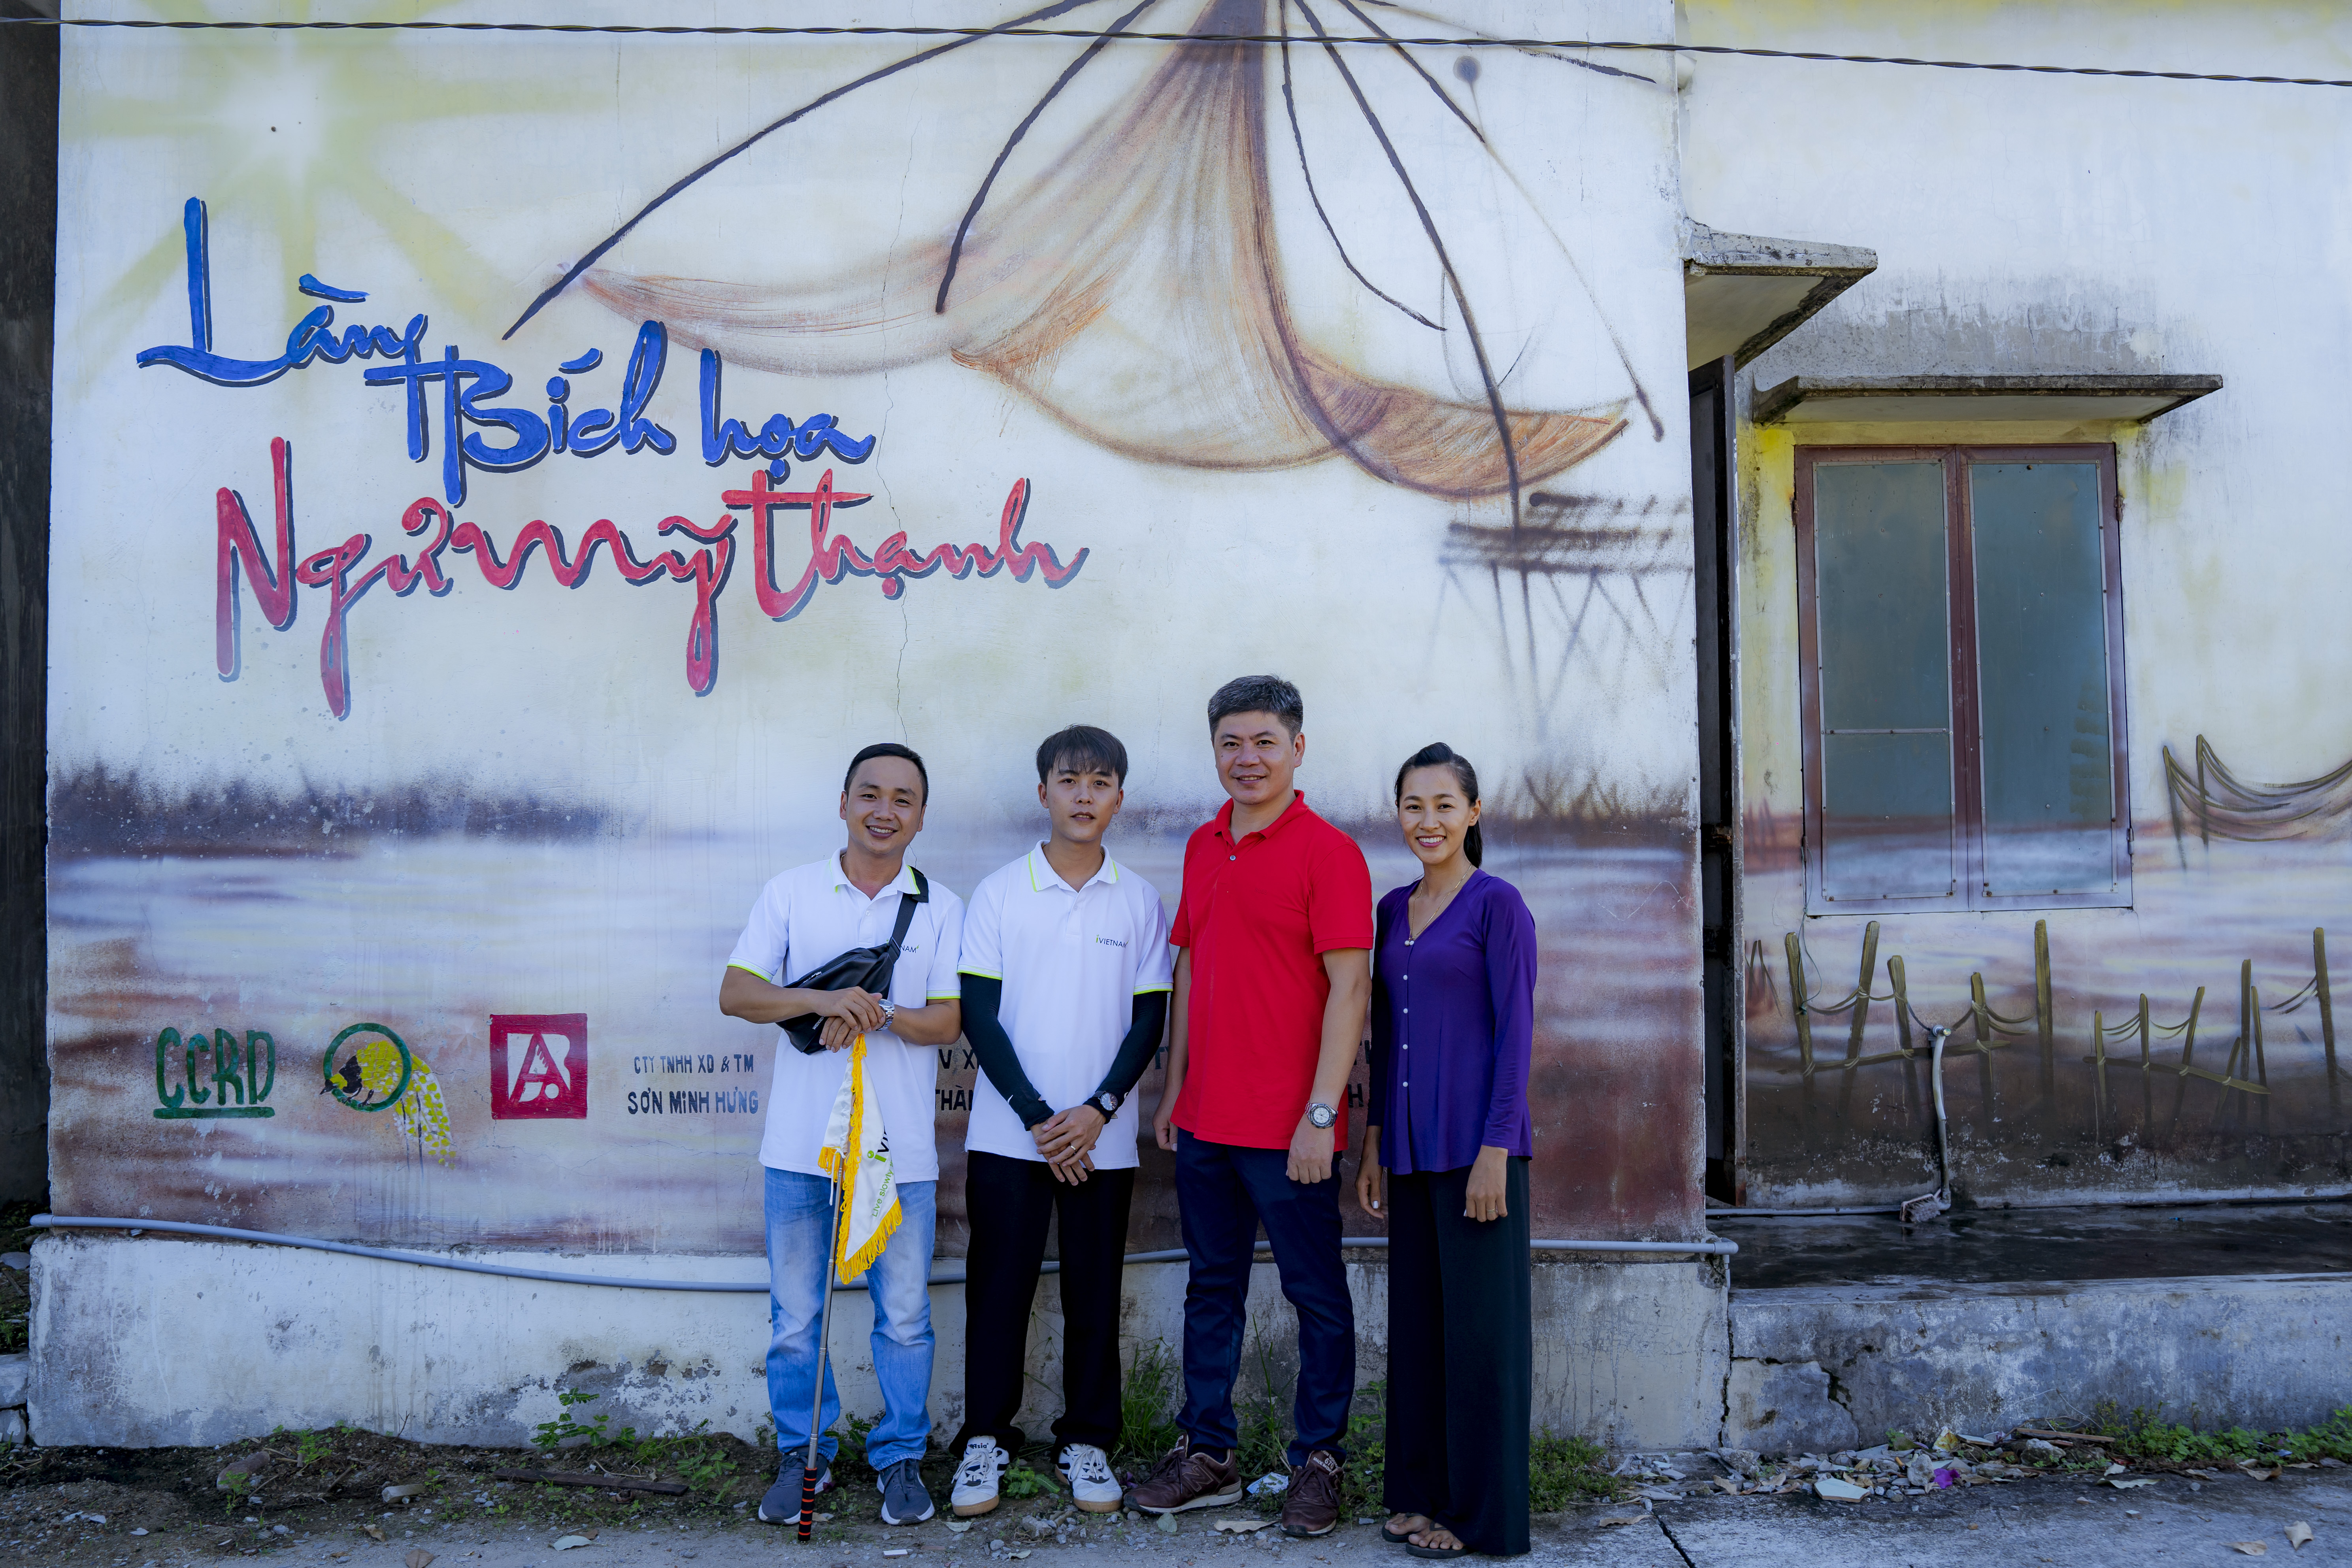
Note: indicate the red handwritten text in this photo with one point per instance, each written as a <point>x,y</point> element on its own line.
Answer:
<point>273,572</point>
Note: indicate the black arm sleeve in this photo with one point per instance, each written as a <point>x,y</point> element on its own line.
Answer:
<point>981,997</point>
<point>1135,1052</point>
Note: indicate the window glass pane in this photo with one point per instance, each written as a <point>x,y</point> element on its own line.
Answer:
<point>1886,816</point>
<point>1885,681</point>
<point>1878,553</point>
<point>2041,660</point>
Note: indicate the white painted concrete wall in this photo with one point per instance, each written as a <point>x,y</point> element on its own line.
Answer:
<point>2036,225</point>
<point>148,1342</point>
<point>1824,1368</point>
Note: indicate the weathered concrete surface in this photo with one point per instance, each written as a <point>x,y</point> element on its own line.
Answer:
<point>1776,1408</point>
<point>2040,1521</point>
<point>1630,1355</point>
<point>149,1341</point>
<point>2044,1521</point>
<point>2262,1352</point>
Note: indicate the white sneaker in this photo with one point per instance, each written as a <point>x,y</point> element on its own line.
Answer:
<point>983,1465</point>
<point>1085,1470</point>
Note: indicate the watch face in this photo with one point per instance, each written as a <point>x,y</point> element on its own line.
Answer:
<point>1321,1115</point>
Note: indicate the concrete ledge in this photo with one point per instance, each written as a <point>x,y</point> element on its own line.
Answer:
<point>1817,1367</point>
<point>148,1342</point>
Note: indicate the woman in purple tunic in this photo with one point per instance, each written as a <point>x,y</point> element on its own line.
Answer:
<point>1454,974</point>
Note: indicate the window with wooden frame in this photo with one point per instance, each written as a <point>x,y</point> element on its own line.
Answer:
<point>1961,642</point>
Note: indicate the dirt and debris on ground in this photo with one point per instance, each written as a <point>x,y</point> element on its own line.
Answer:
<point>321,1497</point>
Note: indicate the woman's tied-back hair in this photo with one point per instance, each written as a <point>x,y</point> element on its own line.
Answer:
<point>1082,748</point>
<point>1437,754</point>
<point>887,749</point>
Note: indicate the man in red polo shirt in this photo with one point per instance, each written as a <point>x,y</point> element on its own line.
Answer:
<point>1273,975</point>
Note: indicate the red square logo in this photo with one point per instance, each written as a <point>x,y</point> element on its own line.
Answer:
<point>538,1065</point>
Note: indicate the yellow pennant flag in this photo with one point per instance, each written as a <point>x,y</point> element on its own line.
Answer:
<point>856,1153</point>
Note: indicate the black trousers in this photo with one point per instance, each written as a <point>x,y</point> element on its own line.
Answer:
<point>1010,1204</point>
<point>1461,1359</point>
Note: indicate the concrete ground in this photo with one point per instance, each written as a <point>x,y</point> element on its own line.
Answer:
<point>2047,1519</point>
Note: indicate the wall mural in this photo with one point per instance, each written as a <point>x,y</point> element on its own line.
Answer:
<point>2187,1043</point>
<point>413,773</point>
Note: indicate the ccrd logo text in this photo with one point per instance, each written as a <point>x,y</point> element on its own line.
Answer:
<point>240,1075</point>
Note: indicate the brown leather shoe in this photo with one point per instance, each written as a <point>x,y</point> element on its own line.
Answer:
<point>1311,1505</point>
<point>1190,1478</point>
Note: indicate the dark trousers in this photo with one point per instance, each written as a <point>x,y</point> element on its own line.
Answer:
<point>1461,1355</point>
<point>1010,1203</point>
<point>1225,1192</point>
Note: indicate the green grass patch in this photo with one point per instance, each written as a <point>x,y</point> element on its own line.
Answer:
<point>1021,1483</point>
<point>1147,1407</point>
<point>2142,1434</point>
<point>1566,1472</point>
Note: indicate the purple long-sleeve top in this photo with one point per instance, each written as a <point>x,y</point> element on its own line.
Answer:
<point>1453,1027</point>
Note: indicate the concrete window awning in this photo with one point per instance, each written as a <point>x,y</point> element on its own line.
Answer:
<point>1911,399</point>
<point>1742,293</point>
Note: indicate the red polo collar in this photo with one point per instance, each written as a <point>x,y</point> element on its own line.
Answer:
<point>1296,808</point>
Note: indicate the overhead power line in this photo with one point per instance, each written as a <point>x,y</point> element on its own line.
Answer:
<point>714,30</point>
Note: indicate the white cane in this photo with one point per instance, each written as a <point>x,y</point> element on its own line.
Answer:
<point>816,1402</point>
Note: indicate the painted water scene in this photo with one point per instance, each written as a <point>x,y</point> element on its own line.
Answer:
<point>532,538</point>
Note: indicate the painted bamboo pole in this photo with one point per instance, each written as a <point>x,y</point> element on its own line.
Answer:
<point>2262,1074</point>
<point>1899,986</point>
<point>2326,1007</point>
<point>2099,1087</point>
<point>1796,951</point>
<point>2250,1019</point>
<point>2188,1055</point>
<point>2243,1046</point>
<point>2204,819</point>
<point>1861,996</point>
<point>2044,1022</point>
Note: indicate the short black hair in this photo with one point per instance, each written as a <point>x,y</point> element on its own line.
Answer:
<point>886,749</point>
<point>1082,748</point>
<point>1259,694</point>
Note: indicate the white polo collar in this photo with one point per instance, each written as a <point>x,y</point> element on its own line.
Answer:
<point>1043,879</point>
<point>903,883</point>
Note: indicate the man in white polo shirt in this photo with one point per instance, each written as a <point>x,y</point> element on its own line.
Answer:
<point>1066,981</point>
<point>804,918</point>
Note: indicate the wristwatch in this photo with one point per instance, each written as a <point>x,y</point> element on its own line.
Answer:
<point>890,1011</point>
<point>1107,1102</point>
<point>1321,1115</point>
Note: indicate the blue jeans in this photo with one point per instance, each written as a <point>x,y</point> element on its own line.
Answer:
<point>799,1218</point>
<point>1224,1192</point>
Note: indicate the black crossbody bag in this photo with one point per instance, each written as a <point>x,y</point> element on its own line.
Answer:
<point>866,968</point>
